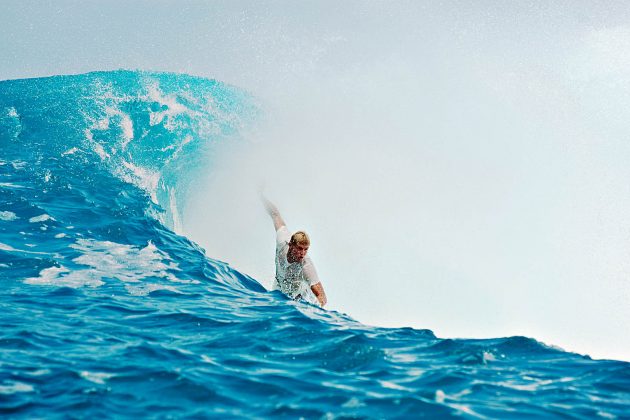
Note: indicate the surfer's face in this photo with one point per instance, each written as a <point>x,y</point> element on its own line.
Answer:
<point>297,252</point>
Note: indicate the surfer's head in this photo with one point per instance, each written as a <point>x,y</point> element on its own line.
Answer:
<point>298,246</point>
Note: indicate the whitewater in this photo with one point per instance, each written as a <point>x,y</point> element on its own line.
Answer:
<point>107,311</point>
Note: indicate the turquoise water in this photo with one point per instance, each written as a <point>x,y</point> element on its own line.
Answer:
<point>106,312</point>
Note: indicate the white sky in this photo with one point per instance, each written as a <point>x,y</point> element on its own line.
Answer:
<point>460,166</point>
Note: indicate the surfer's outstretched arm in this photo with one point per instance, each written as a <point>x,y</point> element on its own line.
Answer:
<point>318,291</point>
<point>273,211</point>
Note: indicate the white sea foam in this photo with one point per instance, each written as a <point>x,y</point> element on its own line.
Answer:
<point>467,410</point>
<point>353,403</point>
<point>12,387</point>
<point>11,185</point>
<point>403,357</point>
<point>126,124</point>
<point>210,360</point>
<point>12,112</point>
<point>70,151</point>
<point>128,263</point>
<point>440,396</point>
<point>8,216</point>
<point>392,385</point>
<point>106,260</point>
<point>98,148</point>
<point>170,102</point>
<point>96,377</point>
<point>38,372</point>
<point>488,357</point>
<point>40,218</point>
<point>100,151</point>
<point>532,386</point>
<point>63,277</point>
<point>102,124</point>
<point>340,386</point>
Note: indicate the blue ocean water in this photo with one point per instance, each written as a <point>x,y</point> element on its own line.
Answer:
<point>107,312</point>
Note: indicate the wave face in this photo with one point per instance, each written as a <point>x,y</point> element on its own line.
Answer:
<point>107,312</point>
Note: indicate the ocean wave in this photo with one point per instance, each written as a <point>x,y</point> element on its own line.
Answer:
<point>108,311</point>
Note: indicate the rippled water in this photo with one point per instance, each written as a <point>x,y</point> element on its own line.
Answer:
<point>106,312</point>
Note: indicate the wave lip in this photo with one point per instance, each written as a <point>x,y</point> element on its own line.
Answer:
<point>107,311</point>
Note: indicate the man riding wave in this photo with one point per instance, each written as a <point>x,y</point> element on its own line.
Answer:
<point>295,273</point>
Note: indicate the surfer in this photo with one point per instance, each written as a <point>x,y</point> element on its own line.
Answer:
<point>295,273</point>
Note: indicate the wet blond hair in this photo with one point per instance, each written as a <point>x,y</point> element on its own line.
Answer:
<point>300,237</point>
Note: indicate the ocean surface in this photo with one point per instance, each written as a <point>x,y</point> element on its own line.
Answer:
<point>106,312</point>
